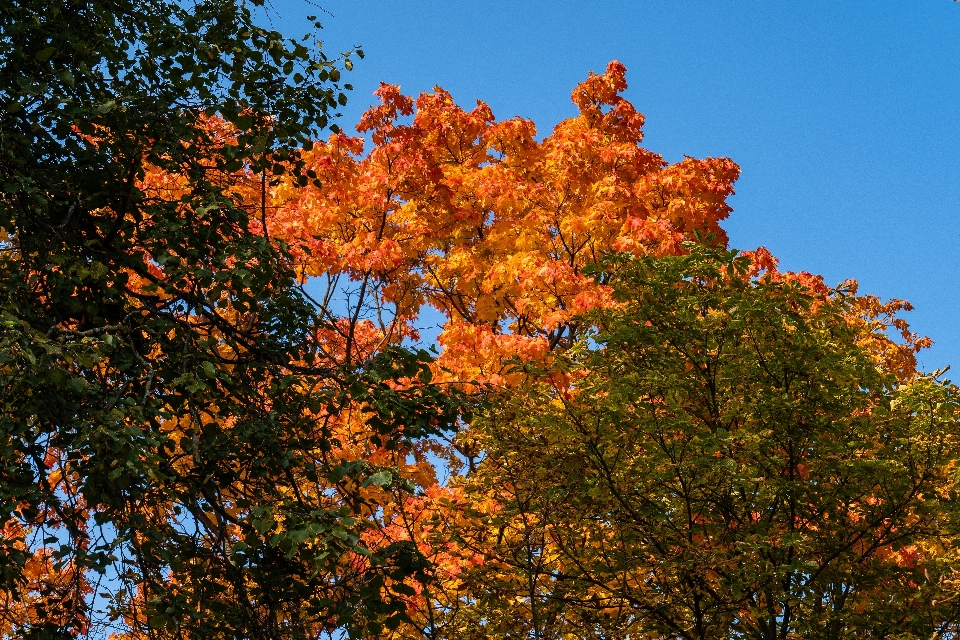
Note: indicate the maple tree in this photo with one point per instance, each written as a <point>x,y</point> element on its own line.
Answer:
<point>497,231</point>
<point>476,218</point>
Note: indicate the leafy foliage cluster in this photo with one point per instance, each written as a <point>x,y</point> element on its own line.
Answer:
<point>728,463</point>
<point>213,424</point>
<point>164,468</point>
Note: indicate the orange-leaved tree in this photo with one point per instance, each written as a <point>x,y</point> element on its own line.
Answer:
<point>480,220</point>
<point>544,534</point>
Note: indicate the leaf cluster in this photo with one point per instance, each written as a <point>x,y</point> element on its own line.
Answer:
<point>722,459</point>
<point>167,465</point>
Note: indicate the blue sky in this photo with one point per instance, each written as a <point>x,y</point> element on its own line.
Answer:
<point>844,116</point>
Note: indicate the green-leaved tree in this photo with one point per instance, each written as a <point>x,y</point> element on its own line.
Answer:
<point>165,465</point>
<point>727,456</point>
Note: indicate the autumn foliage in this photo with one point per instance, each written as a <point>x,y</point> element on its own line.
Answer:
<point>668,439</point>
<point>481,221</point>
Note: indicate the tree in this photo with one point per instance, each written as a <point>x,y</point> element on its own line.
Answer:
<point>478,219</point>
<point>724,457</point>
<point>497,230</point>
<point>169,466</point>
<point>214,427</point>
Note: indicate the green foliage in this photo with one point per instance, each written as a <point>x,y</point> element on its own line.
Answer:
<point>160,369</point>
<point>724,460</point>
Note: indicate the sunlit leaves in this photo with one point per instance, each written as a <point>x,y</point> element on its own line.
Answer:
<point>729,461</point>
<point>481,220</point>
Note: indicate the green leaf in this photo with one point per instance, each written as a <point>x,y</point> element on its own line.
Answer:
<point>380,479</point>
<point>106,107</point>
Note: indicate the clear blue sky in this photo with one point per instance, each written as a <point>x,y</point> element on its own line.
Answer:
<point>843,115</point>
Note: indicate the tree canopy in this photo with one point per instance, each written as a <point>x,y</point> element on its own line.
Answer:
<point>167,464</point>
<point>215,424</point>
<point>721,459</point>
